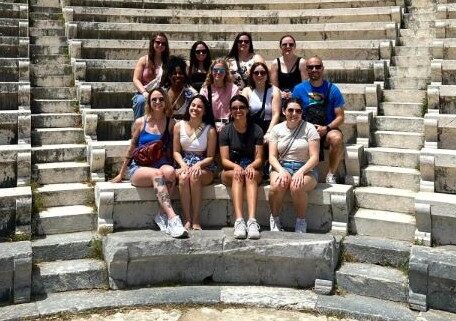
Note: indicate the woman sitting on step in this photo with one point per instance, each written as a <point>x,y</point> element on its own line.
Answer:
<point>194,144</point>
<point>148,71</point>
<point>293,154</point>
<point>241,152</point>
<point>155,125</point>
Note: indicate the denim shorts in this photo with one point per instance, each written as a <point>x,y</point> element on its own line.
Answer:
<point>133,167</point>
<point>293,166</point>
<point>191,159</point>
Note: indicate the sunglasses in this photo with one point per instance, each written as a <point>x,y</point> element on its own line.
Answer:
<point>157,100</point>
<point>287,44</point>
<point>259,72</point>
<point>201,52</point>
<point>294,110</point>
<point>218,70</point>
<point>312,67</point>
<point>238,108</point>
<point>240,41</point>
<point>160,43</point>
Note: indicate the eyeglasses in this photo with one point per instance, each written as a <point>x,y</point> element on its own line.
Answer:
<point>157,100</point>
<point>201,52</point>
<point>312,67</point>
<point>218,70</point>
<point>259,72</point>
<point>160,43</point>
<point>238,108</point>
<point>243,41</point>
<point>287,44</point>
<point>294,110</point>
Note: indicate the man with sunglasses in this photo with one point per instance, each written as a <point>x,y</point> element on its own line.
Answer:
<point>323,107</point>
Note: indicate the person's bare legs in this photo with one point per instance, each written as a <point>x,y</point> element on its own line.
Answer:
<point>335,141</point>
<point>276,193</point>
<point>251,186</point>
<point>299,195</point>
<point>196,192</point>
<point>237,191</point>
<point>185,198</point>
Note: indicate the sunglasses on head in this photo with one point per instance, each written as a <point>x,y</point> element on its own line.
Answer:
<point>238,108</point>
<point>312,67</point>
<point>157,100</point>
<point>259,72</point>
<point>243,41</point>
<point>201,52</point>
<point>160,43</point>
<point>287,44</point>
<point>218,70</point>
<point>294,110</point>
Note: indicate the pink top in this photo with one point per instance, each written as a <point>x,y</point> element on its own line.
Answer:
<point>221,99</point>
<point>146,76</point>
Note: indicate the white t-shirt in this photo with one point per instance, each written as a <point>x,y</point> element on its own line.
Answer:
<point>299,149</point>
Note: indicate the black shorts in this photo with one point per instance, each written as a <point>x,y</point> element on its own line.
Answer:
<point>323,145</point>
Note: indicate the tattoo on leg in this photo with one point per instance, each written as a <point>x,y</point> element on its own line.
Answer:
<point>159,181</point>
<point>164,199</point>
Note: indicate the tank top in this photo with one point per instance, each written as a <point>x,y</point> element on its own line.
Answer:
<point>147,75</point>
<point>145,137</point>
<point>197,79</point>
<point>198,144</point>
<point>256,102</point>
<point>287,81</point>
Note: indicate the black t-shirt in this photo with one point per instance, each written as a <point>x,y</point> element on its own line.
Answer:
<point>242,145</point>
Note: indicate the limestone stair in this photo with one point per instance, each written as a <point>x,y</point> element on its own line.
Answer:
<point>64,218</point>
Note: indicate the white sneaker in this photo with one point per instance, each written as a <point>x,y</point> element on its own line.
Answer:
<point>253,229</point>
<point>161,220</point>
<point>301,225</point>
<point>274,223</point>
<point>331,178</point>
<point>240,229</point>
<point>175,228</point>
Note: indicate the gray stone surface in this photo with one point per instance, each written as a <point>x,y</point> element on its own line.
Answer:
<point>364,308</point>
<point>285,259</point>
<point>435,315</point>
<point>376,250</point>
<point>18,312</point>
<point>374,281</point>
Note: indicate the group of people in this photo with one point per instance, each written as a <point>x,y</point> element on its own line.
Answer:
<point>238,115</point>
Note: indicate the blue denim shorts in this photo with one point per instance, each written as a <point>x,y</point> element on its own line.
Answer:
<point>133,167</point>
<point>293,166</point>
<point>191,159</point>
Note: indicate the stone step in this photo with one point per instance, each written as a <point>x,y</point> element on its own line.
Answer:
<point>395,177</point>
<point>380,282</point>
<point>56,59</point>
<point>407,71</point>
<point>61,172</point>
<point>50,136</point>
<point>425,33</point>
<point>59,153</point>
<point>37,32</point>
<point>392,157</point>
<point>47,24</point>
<point>412,51</point>
<point>398,123</point>
<point>54,106</point>
<point>61,276</point>
<point>67,246</point>
<point>393,225</point>
<point>49,49</point>
<point>410,41</point>
<point>408,83</point>
<point>404,96</point>
<point>41,71</point>
<point>402,109</point>
<point>54,195</point>
<point>406,61</point>
<point>45,16</point>
<point>54,4</point>
<point>376,250</point>
<point>53,81</point>
<point>55,120</point>
<point>53,93</point>
<point>65,219</point>
<point>49,41</point>
<point>395,139</point>
<point>388,199</point>
<point>417,24</point>
<point>38,8</point>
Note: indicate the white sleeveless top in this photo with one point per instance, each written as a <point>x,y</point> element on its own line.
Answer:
<point>198,144</point>
<point>256,101</point>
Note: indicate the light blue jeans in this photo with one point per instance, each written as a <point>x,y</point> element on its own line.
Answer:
<point>138,105</point>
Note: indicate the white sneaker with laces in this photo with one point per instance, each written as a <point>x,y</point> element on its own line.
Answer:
<point>240,229</point>
<point>175,228</point>
<point>161,220</point>
<point>274,223</point>
<point>253,229</point>
<point>301,225</point>
<point>331,178</point>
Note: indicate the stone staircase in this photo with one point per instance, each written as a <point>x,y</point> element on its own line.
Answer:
<point>377,258</point>
<point>64,217</point>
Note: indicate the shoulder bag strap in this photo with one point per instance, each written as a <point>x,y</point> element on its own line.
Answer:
<point>293,137</point>
<point>209,95</point>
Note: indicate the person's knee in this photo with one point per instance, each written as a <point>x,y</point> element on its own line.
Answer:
<point>336,139</point>
<point>195,179</point>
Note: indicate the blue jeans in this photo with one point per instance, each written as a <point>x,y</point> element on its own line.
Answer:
<point>138,105</point>
<point>292,167</point>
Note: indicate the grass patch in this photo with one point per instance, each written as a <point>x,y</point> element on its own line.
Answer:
<point>424,106</point>
<point>37,199</point>
<point>96,248</point>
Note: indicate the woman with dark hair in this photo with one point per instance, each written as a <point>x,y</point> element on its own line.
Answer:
<point>294,147</point>
<point>219,89</point>
<point>200,63</point>
<point>241,58</point>
<point>148,71</point>
<point>154,126</point>
<point>194,143</point>
<point>241,152</point>
<point>264,98</point>
<point>175,82</point>
<point>288,70</point>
